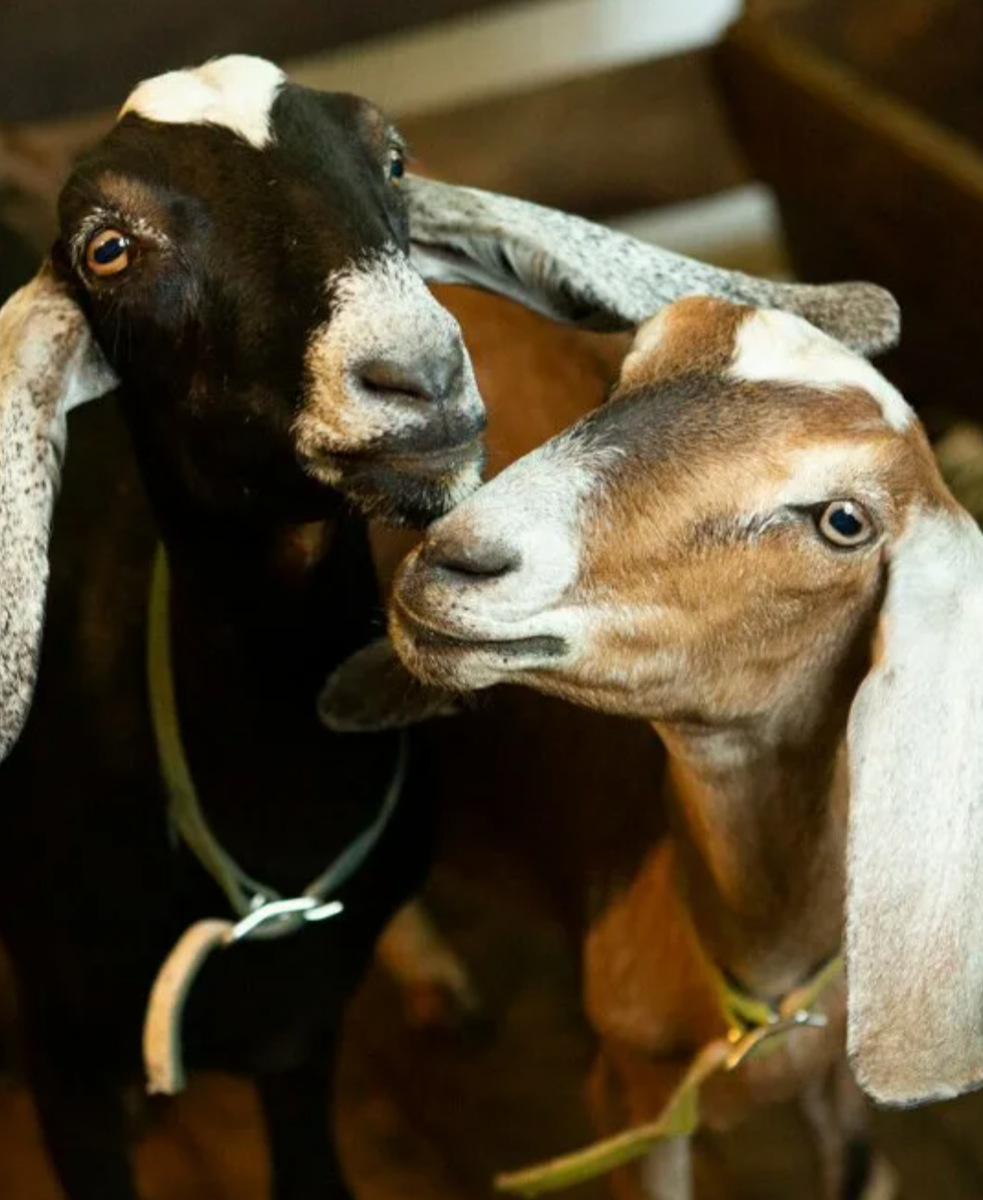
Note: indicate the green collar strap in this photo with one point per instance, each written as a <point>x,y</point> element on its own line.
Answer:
<point>260,910</point>
<point>754,1028</point>
<point>745,1013</point>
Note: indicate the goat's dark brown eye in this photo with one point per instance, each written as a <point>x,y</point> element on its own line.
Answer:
<point>108,253</point>
<point>397,164</point>
<point>845,523</point>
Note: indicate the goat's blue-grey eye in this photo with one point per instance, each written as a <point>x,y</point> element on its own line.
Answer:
<point>108,253</point>
<point>397,165</point>
<point>845,523</point>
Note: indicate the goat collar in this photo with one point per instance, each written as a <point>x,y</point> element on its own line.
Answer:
<point>754,1028</point>
<point>747,1014</point>
<point>260,909</point>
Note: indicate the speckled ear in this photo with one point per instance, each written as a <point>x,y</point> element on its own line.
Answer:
<point>48,364</point>
<point>574,270</point>
<point>373,691</point>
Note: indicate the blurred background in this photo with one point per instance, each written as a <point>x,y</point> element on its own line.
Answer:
<point>555,100</point>
<point>820,139</point>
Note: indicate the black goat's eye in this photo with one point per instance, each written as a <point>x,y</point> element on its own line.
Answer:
<point>107,253</point>
<point>845,523</point>
<point>397,165</point>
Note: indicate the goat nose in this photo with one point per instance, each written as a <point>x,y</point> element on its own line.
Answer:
<point>435,378</point>
<point>470,560</point>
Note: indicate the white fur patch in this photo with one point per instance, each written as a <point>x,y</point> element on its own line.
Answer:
<point>647,338</point>
<point>533,509</point>
<point>821,471</point>
<point>381,308</point>
<point>782,347</point>
<point>236,92</point>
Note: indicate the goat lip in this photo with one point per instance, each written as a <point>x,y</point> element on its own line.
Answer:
<point>437,461</point>
<point>419,628</point>
<point>429,637</point>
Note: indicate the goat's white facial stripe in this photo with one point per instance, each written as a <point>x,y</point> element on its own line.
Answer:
<point>823,471</point>
<point>784,348</point>
<point>534,510</point>
<point>236,92</point>
<point>381,310</point>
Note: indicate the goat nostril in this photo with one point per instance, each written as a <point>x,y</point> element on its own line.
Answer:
<point>429,380</point>
<point>384,376</point>
<point>482,560</point>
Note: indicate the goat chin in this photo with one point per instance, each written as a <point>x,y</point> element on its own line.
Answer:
<point>399,497</point>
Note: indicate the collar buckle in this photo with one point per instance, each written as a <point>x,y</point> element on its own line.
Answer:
<point>746,1042</point>
<point>284,914</point>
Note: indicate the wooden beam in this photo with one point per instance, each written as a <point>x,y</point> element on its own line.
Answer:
<point>614,142</point>
<point>620,140</point>
<point>63,56</point>
<point>869,186</point>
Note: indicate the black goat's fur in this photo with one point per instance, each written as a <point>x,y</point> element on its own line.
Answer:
<point>272,586</point>
<point>93,892</point>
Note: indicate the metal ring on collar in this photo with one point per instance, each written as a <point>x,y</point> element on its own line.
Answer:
<point>304,906</point>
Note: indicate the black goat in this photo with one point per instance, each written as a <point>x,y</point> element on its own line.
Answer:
<point>233,256</point>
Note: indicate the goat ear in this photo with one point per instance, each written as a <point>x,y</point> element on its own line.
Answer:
<point>48,364</point>
<point>574,270</point>
<point>915,860</point>
<point>373,691</point>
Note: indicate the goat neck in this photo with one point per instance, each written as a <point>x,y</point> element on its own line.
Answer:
<point>757,814</point>
<point>289,599</point>
<point>258,617</point>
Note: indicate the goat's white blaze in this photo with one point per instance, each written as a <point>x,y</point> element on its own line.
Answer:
<point>782,347</point>
<point>381,309</point>
<point>236,92</point>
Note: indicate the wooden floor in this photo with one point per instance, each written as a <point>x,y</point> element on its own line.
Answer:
<point>434,1115</point>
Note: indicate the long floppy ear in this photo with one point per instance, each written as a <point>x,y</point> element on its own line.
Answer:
<point>48,364</point>
<point>915,862</point>
<point>574,270</point>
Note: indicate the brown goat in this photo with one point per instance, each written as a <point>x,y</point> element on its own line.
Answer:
<point>750,547</point>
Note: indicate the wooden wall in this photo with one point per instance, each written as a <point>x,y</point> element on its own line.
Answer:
<point>61,56</point>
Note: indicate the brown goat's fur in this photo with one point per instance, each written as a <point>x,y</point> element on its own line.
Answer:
<point>737,857</point>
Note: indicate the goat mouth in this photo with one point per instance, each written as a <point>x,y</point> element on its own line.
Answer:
<point>403,487</point>
<point>428,639</point>
<point>437,462</point>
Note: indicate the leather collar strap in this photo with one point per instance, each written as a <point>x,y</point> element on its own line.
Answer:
<point>260,910</point>
<point>754,1028</point>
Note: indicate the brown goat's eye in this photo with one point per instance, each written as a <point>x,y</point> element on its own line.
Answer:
<point>845,523</point>
<point>107,253</point>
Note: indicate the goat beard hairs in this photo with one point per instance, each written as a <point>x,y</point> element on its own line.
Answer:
<point>398,500</point>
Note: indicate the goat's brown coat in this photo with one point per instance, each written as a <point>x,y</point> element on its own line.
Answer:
<point>761,863</point>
